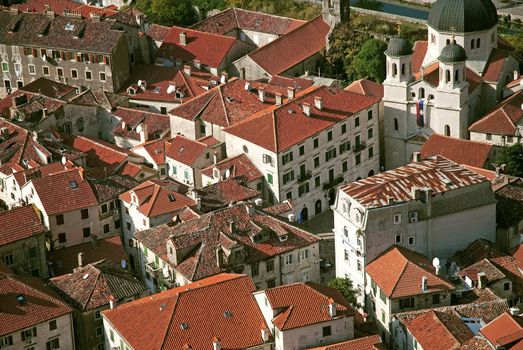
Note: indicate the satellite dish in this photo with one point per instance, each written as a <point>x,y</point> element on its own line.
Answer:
<point>63,160</point>
<point>435,262</point>
<point>227,173</point>
<point>171,89</point>
<point>165,271</point>
<point>367,289</point>
<point>123,263</point>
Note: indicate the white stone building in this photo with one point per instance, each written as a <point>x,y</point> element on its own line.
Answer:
<point>448,81</point>
<point>434,207</point>
<point>309,144</point>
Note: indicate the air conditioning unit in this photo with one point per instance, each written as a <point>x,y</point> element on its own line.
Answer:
<point>413,217</point>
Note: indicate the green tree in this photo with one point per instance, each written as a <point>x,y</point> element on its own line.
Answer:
<point>512,157</point>
<point>344,285</point>
<point>169,12</point>
<point>369,62</point>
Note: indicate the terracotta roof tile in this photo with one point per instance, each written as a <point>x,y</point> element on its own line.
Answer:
<point>504,119</point>
<point>64,192</point>
<point>62,6</point>
<point>503,330</point>
<point>509,210</point>
<point>65,260</point>
<point>292,48</point>
<point>478,250</point>
<point>295,82</point>
<point>398,273</point>
<point>433,173</point>
<point>158,32</point>
<point>371,342</point>
<point>439,330</point>
<point>366,87</point>
<point>239,167</point>
<point>49,87</point>
<point>166,311</point>
<point>184,150</point>
<point>19,223</point>
<point>283,126</point>
<point>224,193</point>
<point>91,286</point>
<point>99,153</point>
<point>157,124</point>
<point>302,304</point>
<point>420,50</point>
<point>467,152</point>
<point>158,197</point>
<point>495,65</point>
<point>42,303</point>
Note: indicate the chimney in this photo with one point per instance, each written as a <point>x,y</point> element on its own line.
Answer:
<point>318,102</point>
<point>416,157</point>
<point>424,287</point>
<point>250,209</point>
<point>247,85</point>
<point>224,77</point>
<point>183,38</point>
<point>279,99</point>
<point>265,333</point>
<point>514,311</point>
<point>261,94</point>
<point>258,202</point>
<point>111,302</point>
<point>44,113</point>
<point>215,157</point>
<point>482,280</point>
<point>197,64</point>
<point>516,74</point>
<point>187,69</point>
<point>332,308</point>
<point>438,267</point>
<point>94,241</point>
<point>290,217</point>
<point>290,92</point>
<point>95,17</point>
<point>216,344</point>
<point>81,259</point>
<point>231,226</point>
<point>306,109</point>
<point>144,133</point>
<point>219,257</point>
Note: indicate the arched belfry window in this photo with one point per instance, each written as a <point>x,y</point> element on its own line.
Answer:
<point>394,69</point>
<point>447,130</point>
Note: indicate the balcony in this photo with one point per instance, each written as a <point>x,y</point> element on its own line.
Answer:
<point>334,182</point>
<point>305,176</point>
<point>152,269</point>
<point>168,281</point>
<point>357,147</point>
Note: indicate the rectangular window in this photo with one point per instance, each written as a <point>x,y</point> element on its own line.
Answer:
<point>32,69</point>
<point>369,115</point>
<point>33,252</point>
<point>99,331</point>
<point>287,177</point>
<point>302,189</point>
<point>406,303</point>
<point>330,154</point>
<point>316,162</point>
<point>316,142</point>
<point>383,297</point>
<point>356,122</point>
<point>317,181</point>
<point>302,150</point>
<point>270,265</point>
<point>88,75</point>
<point>62,238</point>
<point>288,259</point>
<point>371,152</point>
<point>488,136</point>
<point>343,128</point>
<point>53,344</point>
<point>28,333</point>
<point>288,195</point>
<point>52,325</point>
<point>370,133</point>
<point>84,214</point>
<point>45,70</point>
<point>270,179</point>
<point>86,232</point>
<point>97,315</point>
<point>9,259</point>
<point>506,286</point>
<point>286,158</point>
<point>271,283</point>
<point>344,147</point>
<point>411,241</point>
<point>103,77</point>
<point>326,331</point>
<point>60,219</point>
<point>255,269</point>
<point>329,135</point>
<point>435,299</point>
<point>111,335</point>
<point>104,208</point>
<point>344,166</point>
<point>396,220</point>
<point>360,268</point>
<point>74,74</point>
<point>357,159</point>
<point>6,341</point>
<point>5,67</point>
<point>346,255</point>
<point>383,318</point>
<point>106,228</point>
<point>60,72</point>
<point>34,52</point>
<point>397,238</point>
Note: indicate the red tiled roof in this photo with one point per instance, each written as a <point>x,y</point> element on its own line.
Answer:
<point>157,198</point>
<point>155,149</point>
<point>489,174</point>
<point>239,167</point>
<point>366,87</point>
<point>158,32</point>
<point>460,151</point>
<point>303,304</point>
<point>209,141</point>
<point>65,260</point>
<point>235,18</point>
<point>517,254</point>
<point>19,223</point>
<point>42,304</point>
<point>284,126</point>
<point>397,184</point>
<point>25,175</point>
<point>91,286</point>
<point>398,272</point>
<point>504,119</point>
<point>157,124</point>
<point>65,191</point>
<point>439,330</point>
<point>165,313</point>
<point>224,193</point>
<point>280,209</point>
<point>295,82</point>
<point>292,48</point>
<point>61,6</point>
<point>224,105</point>
<point>99,153</point>
<point>184,150</point>
<point>420,50</point>
<point>48,87</point>
<point>371,342</point>
<point>495,65</point>
<point>130,169</point>
<point>503,330</point>
<point>210,49</point>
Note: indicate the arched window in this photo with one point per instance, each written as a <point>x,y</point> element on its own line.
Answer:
<point>421,93</point>
<point>448,41</point>
<point>403,69</point>
<point>472,44</point>
<point>478,43</point>
<point>430,98</point>
<point>447,130</point>
<point>456,76</point>
<point>413,94</point>
<point>447,76</point>
<point>396,124</point>
<point>394,69</point>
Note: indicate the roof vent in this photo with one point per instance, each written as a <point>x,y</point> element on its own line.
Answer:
<point>172,198</point>
<point>184,325</point>
<point>229,99</point>
<point>247,86</point>
<point>73,185</point>
<point>227,314</point>
<point>86,276</point>
<point>187,70</point>
<point>306,109</point>
<point>162,306</point>
<point>183,38</point>
<point>21,299</point>
<point>261,94</point>
<point>69,26</point>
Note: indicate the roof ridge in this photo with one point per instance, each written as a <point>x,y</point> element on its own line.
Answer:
<point>184,29</point>
<point>400,275</point>
<point>223,104</point>
<point>153,197</point>
<point>444,325</point>
<point>93,286</point>
<point>506,115</point>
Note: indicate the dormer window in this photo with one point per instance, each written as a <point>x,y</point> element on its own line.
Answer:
<point>283,238</point>
<point>73,185</point>
<point>216,173</point>
<point>131,91</point>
